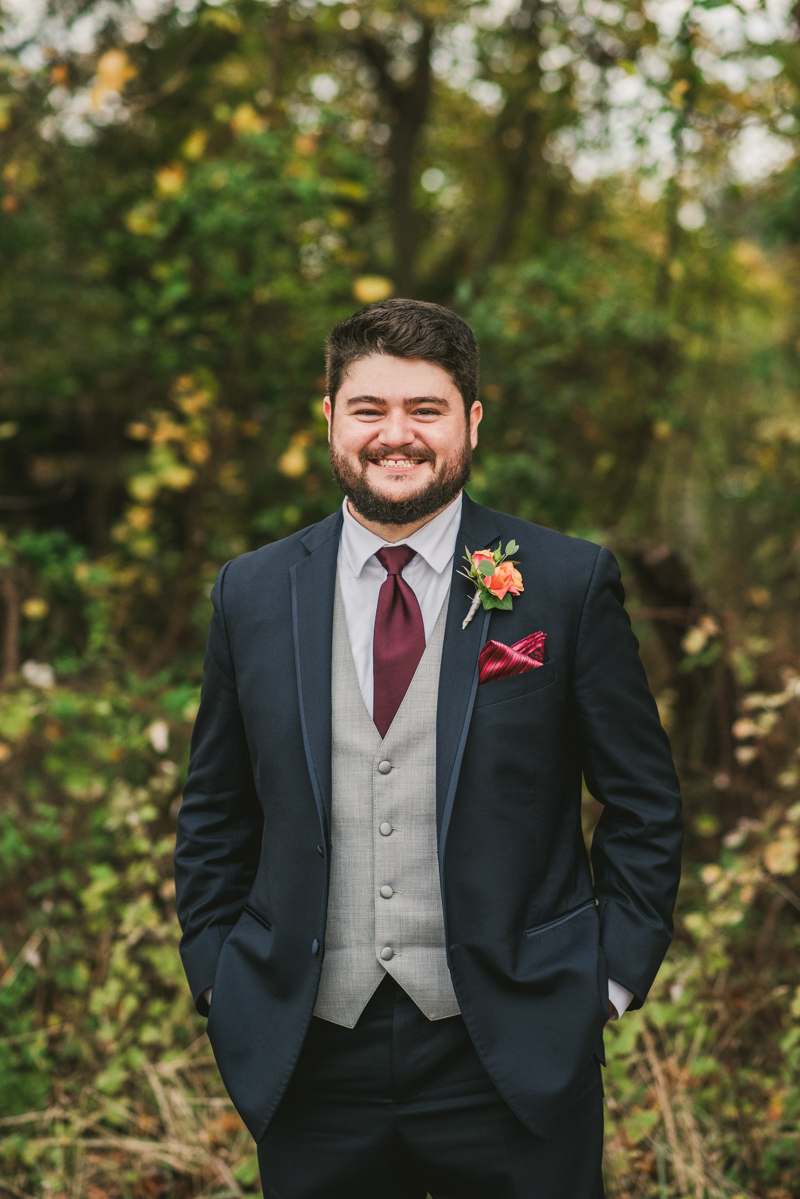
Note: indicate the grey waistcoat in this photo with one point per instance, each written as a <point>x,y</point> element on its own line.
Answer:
<point>384,904</point>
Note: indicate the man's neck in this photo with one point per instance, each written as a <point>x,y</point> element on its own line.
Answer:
<point>393,533</point>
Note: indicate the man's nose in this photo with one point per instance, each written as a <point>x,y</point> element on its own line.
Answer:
<point>396,430</point>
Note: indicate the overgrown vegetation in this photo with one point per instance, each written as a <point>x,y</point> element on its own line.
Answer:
<point>193,193</point>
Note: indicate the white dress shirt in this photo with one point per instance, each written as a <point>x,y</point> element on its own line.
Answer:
<point>361,577</point>
<point>428,574</point>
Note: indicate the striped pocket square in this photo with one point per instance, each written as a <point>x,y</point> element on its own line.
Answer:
<point>499,661</point>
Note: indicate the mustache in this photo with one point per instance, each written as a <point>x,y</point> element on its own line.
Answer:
<point>421,453</point>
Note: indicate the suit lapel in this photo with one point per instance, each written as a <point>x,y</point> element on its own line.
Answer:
<point>313,581</point>
<point>458,679</point>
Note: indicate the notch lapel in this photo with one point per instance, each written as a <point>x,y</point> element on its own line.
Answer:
<point>313,581</point>
<point>458,678</point>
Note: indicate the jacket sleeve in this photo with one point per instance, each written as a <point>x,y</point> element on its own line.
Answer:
<point>220,821</point>
<point>627,764</point>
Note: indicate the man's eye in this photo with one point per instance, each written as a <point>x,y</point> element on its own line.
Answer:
<point>367,412</point>
<point>427,412</point>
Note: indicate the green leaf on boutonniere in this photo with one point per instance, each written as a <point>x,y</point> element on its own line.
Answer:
<point>486,568</point>
<point>512,547</point>
<point>491,601</point>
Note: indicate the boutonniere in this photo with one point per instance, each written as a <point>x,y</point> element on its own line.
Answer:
<point>495,576</point>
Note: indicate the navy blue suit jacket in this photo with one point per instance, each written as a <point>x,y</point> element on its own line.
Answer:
<point>529,950</point>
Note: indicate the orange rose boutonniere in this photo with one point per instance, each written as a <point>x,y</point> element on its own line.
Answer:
<point>496,579</point>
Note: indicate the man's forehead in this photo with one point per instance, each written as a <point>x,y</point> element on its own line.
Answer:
<point>398,378</point>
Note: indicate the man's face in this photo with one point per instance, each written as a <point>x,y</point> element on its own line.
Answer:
<point>400,442</point>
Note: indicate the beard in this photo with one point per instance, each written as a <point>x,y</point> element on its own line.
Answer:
<point>379,509</point>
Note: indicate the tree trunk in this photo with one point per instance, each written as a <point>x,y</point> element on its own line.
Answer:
<point>409,105</point>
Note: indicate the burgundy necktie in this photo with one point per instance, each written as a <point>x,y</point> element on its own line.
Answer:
<point>399,640</point>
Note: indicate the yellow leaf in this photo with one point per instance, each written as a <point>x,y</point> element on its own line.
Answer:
<point>190,397</point>
<point>143,219</point>
<point>195,145</point>
<point>143,487</point>
<point>247,120</point>
<point>293,463</point>
<point>171,179</point>
<point>350,189</point>
<point>137,430</point>
<point>35,609</point>
<point>177,478</point>
<point>677,91</point>
<point>780,857</point>
<point>167,430</point>
<point>139,518</point>
<point>114,70</point>
<point>369,289</point>
<point>198,452</point>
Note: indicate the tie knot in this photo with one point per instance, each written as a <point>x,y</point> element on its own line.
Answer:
<point>396,559</point>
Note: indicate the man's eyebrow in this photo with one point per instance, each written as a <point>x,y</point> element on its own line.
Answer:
<point>354,401</point>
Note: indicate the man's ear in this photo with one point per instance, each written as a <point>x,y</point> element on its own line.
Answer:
<point>327,408</point>
<point>475,417</point>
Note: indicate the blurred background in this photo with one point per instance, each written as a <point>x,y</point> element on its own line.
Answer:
<point>192,193</point>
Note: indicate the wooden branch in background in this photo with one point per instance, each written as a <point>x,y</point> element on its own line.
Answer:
<point>10,593</point>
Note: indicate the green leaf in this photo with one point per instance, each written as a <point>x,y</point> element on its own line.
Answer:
<point>491,601</point>
<point>486,568</point>
<point>512,548</point>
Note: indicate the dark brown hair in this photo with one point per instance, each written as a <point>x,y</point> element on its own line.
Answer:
<point>405,329</point>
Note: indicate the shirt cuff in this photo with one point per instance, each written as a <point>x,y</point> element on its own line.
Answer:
<point>619,996</point>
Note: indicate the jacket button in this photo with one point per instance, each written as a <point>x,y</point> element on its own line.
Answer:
<point>320,851</point>
<point>387,953</point>
<point>315,946</point>
<point>386,829</point>
<point>387,892</point>
<point>384,767</point>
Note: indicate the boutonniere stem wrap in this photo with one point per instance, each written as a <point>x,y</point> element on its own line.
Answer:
<point>496,578</point>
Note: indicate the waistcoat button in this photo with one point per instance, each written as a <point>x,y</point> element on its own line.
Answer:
<point>384,767</point>
<point>387,954</point>
<point>385,829</point>
<point>387,892</point>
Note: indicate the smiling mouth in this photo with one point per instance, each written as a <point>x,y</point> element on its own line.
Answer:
<point>397,464</point>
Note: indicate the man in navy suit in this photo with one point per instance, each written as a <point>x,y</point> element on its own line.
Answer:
<point>388,911</point>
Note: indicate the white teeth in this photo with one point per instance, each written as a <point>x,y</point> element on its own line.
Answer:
<point>397,463</point>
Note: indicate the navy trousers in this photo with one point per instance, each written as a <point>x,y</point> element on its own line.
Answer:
<point>400,1107</point>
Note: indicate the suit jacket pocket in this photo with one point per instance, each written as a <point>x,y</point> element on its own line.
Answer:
<point>554,923</point>
<point>498,690</point>
<point>257,916</point>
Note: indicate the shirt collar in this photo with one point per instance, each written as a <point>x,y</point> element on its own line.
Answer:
<point>435,541</point>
